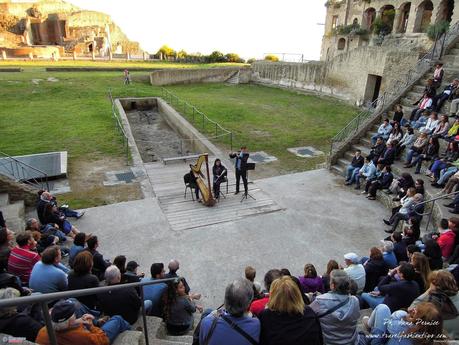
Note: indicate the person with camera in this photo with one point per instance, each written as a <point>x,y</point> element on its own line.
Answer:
<point>240,165</point>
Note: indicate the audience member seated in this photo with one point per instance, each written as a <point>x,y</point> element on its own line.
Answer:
<point>402,328</point>
<point>46,230</point>
<point>388,157</point>
<point>433,252</point>
<point>411,249</point>
<point>331,265</point>
<point>399,246</point>
<point>23,257</point>
<point>400,212</point>
<point>355,270</point>
<point>70,330</point>
<point>418,148</point>
<point>400,185</point>
<point>429,89</point>
<point>439,72</point>
<point>257,306</point>
<point>15,324</point>
<point>367,172</point>
<point>156,293</point>
<point>286,319</point>
<point>354,167</point>
<point>406,141</point>
<point>100,264</point>
<point>442,128</point>
<point>120,262</point>
<point>424,105</point>
<point>6,244</point>
<point>180,309</point>
<point>173,267</point>
<point>453,131</point>
<point>429,153</point>
<point>226,327</point>
<point>46,276</point>
<point>338,311</point>
<point>443,292</point>
<point>383,131</point>
<point>81,278</point>
<point>51,215</point>
<point>250,273</point>
<point>388,254</point>
<point>77,247</point>
<point>398,115</point>
<point>44,197</point>
<point>397,290</point>
<point>411,231</point>
<point>383,181</point>
<point>447,238</point>
<point>375,268</point>
<point>219,173</point>
<point>396,134</point>
<point>124,302</point>
<point>311,282</point>
<point>420,263</point>
<point>441,98</point>
<point>443,161</point>
<point>376,151</point>
<point>131,275</point>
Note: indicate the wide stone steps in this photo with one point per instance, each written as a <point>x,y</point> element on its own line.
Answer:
<point>13,212</point>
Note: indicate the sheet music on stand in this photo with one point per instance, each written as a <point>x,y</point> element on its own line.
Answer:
<point>250,166</point>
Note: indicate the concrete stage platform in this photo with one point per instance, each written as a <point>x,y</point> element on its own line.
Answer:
<point>316,219</point>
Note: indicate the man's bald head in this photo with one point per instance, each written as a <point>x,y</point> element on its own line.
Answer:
<point>173,265</point>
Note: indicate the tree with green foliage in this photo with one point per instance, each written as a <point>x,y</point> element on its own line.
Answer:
<point>166,51</point>
<point>216,56</point>
<point>182,54</point>
<point>233,57</point>
<point>251,60</point>
<point>272,58</point>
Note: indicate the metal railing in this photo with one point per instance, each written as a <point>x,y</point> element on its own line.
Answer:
<point>433,200</point>
<point>208,127</point>
<point>395,90</point>
<point>23,172</point>
<point>44,299</point>
<point>119,126</point>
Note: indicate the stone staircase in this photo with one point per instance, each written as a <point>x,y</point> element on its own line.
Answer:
<point>451,67</point>
<point>13,212</point>
<point>234,79</point>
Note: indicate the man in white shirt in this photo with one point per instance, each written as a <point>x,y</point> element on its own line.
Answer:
<point>355,270</point>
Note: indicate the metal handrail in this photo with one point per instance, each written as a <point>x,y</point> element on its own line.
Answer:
<point>433,200</point>
<point>396,89</point>
<point>24,166</point>
<point>49,297</point>
<point>168,94</point>
<point>119,126</point>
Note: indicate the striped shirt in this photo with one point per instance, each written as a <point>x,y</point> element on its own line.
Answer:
<point>21,262</point>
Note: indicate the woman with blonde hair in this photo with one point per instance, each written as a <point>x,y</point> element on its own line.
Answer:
<point>443,292</point>
<point>421,266</point>
<point>286,319</point>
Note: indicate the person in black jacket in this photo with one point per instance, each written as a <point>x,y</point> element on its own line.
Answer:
<point>441,98</point>
<point>241,167</point>
<point>219,173</point>
<point>377,150</point>
<point>382,182</point>
<point>81,278</point>
<point>375,269</point>
<point>389,154</point>
<point>51,215</point>
<point>429,153</point>
<point>353,168</point>
<point>100,265</point>
<point>286,319</point>
<point>399,246</point>
<point>397,290</point>
<point>125,302</point>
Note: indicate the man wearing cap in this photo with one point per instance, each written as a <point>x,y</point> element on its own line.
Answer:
<point>70,330</point>
<point>355,270</point>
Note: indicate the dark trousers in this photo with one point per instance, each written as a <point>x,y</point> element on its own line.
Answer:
<point>243,174</point>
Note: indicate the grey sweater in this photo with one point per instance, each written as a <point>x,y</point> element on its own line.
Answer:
<point>181,311</point>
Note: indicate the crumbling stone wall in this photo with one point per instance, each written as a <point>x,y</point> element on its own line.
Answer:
<point>18,191</point>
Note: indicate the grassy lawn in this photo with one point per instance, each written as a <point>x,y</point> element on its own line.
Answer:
<point>74,114</point>
<point>271,120</point>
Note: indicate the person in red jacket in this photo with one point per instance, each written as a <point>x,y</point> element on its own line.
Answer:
<point>447,239</point>
<point>258,305</point>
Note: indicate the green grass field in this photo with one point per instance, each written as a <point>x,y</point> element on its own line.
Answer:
<point>74,114</point>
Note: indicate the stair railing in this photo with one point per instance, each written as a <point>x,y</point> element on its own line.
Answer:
<point>23,172</point>
<point>433,201</point>
<point>394,90</point>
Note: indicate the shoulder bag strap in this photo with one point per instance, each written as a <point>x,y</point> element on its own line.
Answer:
<point>336,307</point>
<point>239,330</point>
<point>211,330</point>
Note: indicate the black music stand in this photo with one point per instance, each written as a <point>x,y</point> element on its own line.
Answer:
<point>249,166</point>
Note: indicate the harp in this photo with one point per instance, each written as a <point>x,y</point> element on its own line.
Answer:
<point>206,190</point>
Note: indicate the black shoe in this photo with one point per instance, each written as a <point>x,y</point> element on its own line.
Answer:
<point>454,211</point>
<point>388,192</point>
<point>386,222</point>
<point>357,187</point>
<point>389,231</point>
<point>451,205</point>
<point>436,185</point>
<point>347,183</point>
<point>396,199</point>
<point>237,192</point>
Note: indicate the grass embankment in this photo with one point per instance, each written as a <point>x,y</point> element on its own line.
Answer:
<point>271,120</point>
<point>74,114</point>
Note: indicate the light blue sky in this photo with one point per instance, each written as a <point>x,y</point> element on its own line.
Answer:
<point>248,27</point>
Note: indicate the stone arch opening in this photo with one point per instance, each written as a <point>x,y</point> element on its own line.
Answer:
<point>369,17</point>
<point>387,13</point>
<point>404,16</point>
<point>341,44</point>
<point>423,16</point>
<point>445,11</point>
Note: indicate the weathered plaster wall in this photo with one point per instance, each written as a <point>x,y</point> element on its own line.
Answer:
<point>199,75</point>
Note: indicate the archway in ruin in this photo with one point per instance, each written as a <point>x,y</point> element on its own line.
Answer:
<point>403,18</point>
<point>368,18</point>
<point>445,11</point>
<point>341,44</point>
<point>387,13</point>
<point>423,16</point>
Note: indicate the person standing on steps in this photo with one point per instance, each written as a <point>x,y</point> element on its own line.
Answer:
<point>241,167</point>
